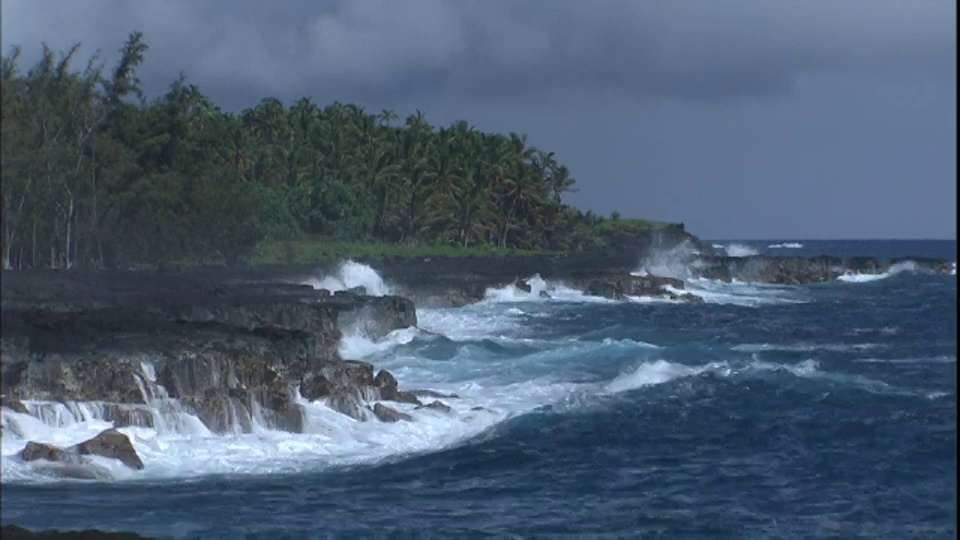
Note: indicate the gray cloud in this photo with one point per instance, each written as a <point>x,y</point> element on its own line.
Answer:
<point>498,48</point>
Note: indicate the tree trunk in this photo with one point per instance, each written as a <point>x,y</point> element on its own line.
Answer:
<point>68,226</point>
<point>506,224</point>
<point>33,253</point>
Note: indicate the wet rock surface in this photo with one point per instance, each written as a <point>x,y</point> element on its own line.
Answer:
<point>437,406</point>
<point>389,414</point>
<point>649,285</point>
<point>109,443</point>
<point>225,346</point>
<point>112,444</point>
<point>803,270</point>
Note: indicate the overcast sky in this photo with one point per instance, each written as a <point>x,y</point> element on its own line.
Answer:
<point>743,119</point>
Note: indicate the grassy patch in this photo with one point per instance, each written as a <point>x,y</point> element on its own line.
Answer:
<point>309,250</point>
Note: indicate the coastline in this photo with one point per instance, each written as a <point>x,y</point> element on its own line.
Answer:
<point>206,323</point>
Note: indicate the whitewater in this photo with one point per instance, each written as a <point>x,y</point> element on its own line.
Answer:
<point>766,411</point>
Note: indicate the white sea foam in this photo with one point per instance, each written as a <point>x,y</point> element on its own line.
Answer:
<point>786,245</point>
<point>360,346</point>
<point>656,372</point>
<point>918,360</point>
<point>805,347</point>
<point>674,262</point>
<point>739,250</point>
<point>905,266</point>
<point>740,294</point>
<point>329,438</point>
<point>556,291</point>
<point>661,371</point>
<point>351,274</point>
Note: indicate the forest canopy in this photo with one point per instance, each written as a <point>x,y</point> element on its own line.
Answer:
<point>96,175</point>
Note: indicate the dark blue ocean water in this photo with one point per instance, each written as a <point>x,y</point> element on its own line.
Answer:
<point>824,411</point>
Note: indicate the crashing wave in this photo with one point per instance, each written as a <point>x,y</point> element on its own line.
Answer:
<point>349,275</point>
<point>786,245</point>
<point>739,250</point>
<point>898,268</point>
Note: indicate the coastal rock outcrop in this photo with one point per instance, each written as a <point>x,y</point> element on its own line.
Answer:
<point>112,444</point>
<point>109,443</point>
<point>389,414</point>
<point>149,346</point>
<point>646,286</point>
<point>802,270</point>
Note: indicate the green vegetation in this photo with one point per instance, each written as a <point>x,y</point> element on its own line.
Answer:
<point>95,175</point>
<point>306,250</point>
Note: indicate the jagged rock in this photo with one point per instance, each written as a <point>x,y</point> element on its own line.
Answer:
<point>222,409</point>
<point>436,405</point>
<point>544,294</point>
<point>522,285</point>
<point>687,297</point>
<point>128,415</point>
<point>277,407</point>
<point>648,285</point>
<point>112,444</point>
<point>215,347</point>
<point>14,405</point>
<point>35,451</point>
<point>377,316</point>
<point>336,376</point>
<point>801,270</point>
<point>323,292</point>
<point>385,381</point>
<point>433,394</point>
<point>633,286</point>
<point>387,414</point>
<point>605,289</point>
<point>387,385</point>
<point>348,403</point>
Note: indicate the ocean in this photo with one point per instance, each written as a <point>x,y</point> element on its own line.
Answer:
<point>817,411</point>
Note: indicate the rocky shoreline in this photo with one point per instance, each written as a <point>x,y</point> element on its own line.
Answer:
<point>243,346</point>
<point>143,349</point>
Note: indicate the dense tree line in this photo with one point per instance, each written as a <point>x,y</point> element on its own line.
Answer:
<point>95,175</point>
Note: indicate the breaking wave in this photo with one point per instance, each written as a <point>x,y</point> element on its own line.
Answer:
<point>540,290</point>
<point>494,356</point>
<point>786,245</point>
<point>739,250</point>
<point>661,371</point>
<point>898,268</point>
<point>350,274</point>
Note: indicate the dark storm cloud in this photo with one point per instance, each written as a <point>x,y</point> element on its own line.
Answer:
<point>742,118</point>
<point>501,49</point>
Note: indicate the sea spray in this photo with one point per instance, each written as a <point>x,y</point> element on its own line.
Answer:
<point>900,267</point>
<point>540,291</point>
<point>739,250</point>
<point>673,262</point>
<point>350,274</point>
